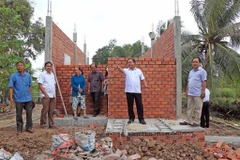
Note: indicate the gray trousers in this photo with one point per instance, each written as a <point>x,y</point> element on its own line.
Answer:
<point>19,108</point>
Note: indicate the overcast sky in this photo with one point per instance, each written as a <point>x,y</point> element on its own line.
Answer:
<point>127,21</point>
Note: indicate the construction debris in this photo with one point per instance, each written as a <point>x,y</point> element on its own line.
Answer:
<point>224,151</point>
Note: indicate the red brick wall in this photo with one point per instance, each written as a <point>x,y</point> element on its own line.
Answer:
<point>168,138</point>
<point>164,46</point>
<point>62,44</point>
<point>160,99</point>
<point>64,74</point>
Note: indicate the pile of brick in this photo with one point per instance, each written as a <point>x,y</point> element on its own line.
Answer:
<point>148,148</point>
<point>224,151</point>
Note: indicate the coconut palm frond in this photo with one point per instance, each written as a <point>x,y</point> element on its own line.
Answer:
<point>187,37</point>
<point>213,10</point>
<point>230,30</point>
<point>235,41</point>
<point>228,61</point>
<point>232,12</point>
<point>197,9</point>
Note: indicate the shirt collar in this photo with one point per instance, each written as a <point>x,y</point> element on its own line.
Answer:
<point>46,72</point>
<point>20,74</point>
<point>132,69</point>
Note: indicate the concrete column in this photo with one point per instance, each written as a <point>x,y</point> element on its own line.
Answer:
<point>48,39</point>
<point>75,46</point>
<point>178,56</point>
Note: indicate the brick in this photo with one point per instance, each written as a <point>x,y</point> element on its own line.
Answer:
<point>111,156</point>
<point>219,144</point>
<point>238,153</point>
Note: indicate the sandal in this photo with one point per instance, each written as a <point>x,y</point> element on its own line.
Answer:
<point>86,117</point>
<point>29,130</point>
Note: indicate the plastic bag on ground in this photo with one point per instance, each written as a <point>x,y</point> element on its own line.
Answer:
<point>86,141</point>
<point>4,155</point>
<point>60,141</point>
<point>17,156</point>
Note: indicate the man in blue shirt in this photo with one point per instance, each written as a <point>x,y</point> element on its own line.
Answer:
<point>195,91</point>
<point>20,85</point>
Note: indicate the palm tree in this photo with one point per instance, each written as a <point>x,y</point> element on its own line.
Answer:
<point>216,43</point>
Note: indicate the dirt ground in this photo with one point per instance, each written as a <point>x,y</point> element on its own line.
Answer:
<point>30,145</point>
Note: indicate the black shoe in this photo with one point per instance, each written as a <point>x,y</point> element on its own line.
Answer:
<point>142,121</point>
<point>130,121</point>
<point>78,114</point>
<point>95,114</point>
<point>184,123</point>
<point>195,124</point>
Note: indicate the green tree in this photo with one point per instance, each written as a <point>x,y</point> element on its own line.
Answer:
<point>19,38</point>
<point>112,50</point>
<point>219,35</point>
<point>16,24</point>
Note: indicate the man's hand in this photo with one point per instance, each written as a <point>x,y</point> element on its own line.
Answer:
<point>11,102</point>
<point>146,88</point>
<point>80,91</point>
<point>202,95</point>
<point>47,98</point>
<point>186,94</point>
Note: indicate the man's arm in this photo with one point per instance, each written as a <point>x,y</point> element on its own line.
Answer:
<point>187,90</point>
<point>119,69</point>
<point>89,86</point>
<point>145,83</point>
<point>11,96</point>
<point>204,84</point>
<point>40,86</point>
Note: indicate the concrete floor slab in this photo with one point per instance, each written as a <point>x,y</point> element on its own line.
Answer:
<point>152,126</point>
<point>69,121</point>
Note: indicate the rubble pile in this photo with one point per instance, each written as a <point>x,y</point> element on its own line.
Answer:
<point>224,151</point>
<point>139,148</point>
<point>148,148</point>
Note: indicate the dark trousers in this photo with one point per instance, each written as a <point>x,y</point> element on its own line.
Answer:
<point>96,101</point>
<point>138,100</point>
<point>19,108</point>
<point>205,115</point>
<point>48,108</point>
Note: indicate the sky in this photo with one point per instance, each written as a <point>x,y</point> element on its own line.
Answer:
<point>99,21</point>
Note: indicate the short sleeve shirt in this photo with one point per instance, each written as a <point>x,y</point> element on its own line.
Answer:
<point>21,84</point>
<point>48,82</point>
<point>195,80</point>
<point>133,80</point>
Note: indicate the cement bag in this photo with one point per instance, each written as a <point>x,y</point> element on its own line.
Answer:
<point>86,141</point>
<point>4,155</point>
<point>17,156</point>
<point>61,140</point>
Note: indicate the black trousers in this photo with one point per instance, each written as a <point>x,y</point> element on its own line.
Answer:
<point>19,108</point>
<point>138,100</point>
<point>205,115</point>
<point>96,101</point>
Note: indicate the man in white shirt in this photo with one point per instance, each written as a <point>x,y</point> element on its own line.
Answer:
<point>46,84</point>
<point>133,78</point>
<point>205,110</point>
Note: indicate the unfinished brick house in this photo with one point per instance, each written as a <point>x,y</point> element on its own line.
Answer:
<point>162,101</point>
